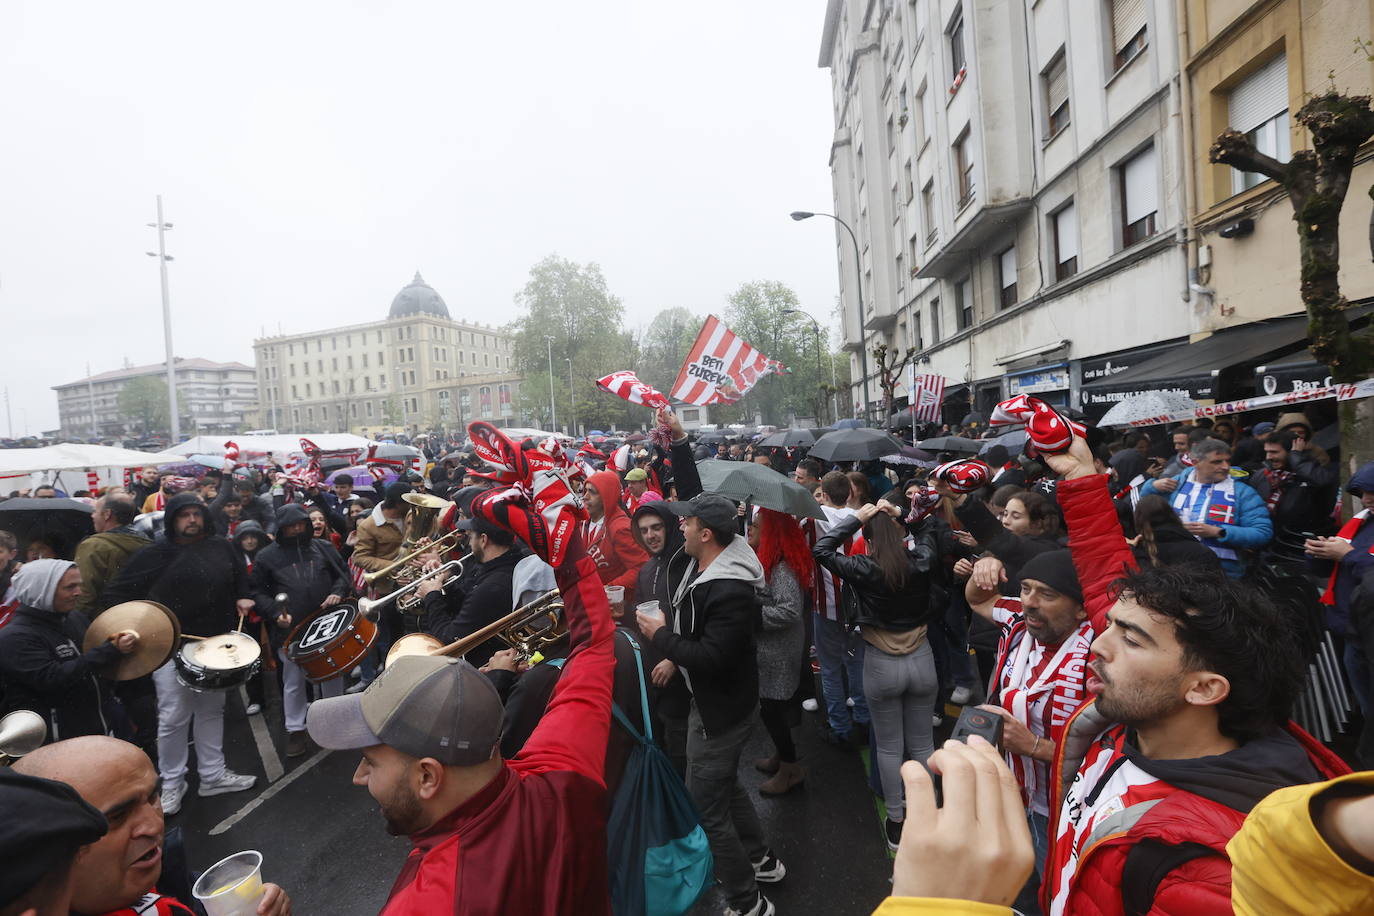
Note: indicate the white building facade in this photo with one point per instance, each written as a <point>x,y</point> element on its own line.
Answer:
<point>211,398</point>
<point>1011,170</point>
<point>417,370</point>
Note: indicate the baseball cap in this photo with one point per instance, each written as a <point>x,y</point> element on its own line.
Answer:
<point>714,511</point>
<point>1262,428</point>
<point>481,526</point>
<point>422,705</point>
<point>636,474</point>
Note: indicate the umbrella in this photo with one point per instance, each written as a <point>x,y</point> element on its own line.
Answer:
<point>636,437</point>
<point>362,477</point>
<point>910,455</point>
<point>792,438</point>
<point>1147,405</point>
<point>974,419</point>
<point>745,481</point>
<point>595,432</point>
<point>715,435</point>
<point>851,423</point>
<point>1013,441</point>
<point>62,522</point>
<point>951,444</point>
<point>855,445</point>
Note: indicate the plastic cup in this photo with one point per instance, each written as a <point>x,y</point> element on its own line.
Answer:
<point>649,609</point>
<point>615,594</point>
<point>232,886</point>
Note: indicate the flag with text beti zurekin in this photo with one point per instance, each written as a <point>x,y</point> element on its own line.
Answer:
<point>721,367</point>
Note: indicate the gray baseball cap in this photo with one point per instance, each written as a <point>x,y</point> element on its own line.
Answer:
<point>714,511</point>
<point>422,705</point>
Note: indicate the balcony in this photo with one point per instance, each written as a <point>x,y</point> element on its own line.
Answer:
<point>987,224</point>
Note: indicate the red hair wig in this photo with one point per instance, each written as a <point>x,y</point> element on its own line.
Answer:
<point>781,538</point>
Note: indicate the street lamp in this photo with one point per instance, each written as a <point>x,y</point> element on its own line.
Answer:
<point>553,415</point>
<point>162,258</point>
<point>800,215</point>
<point>834,386</point>
<point>572,401</point>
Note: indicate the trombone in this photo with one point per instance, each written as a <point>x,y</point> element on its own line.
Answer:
<point>439,545</point>
<point>527,629</point>
<point>369,607</point>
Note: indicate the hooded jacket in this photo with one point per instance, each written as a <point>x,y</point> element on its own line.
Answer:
<point>246,528</point>
<point>867,599</point>
<point>1251,530</point>
<point>100,557</point>
<point>617,553</point>
<point>1304,504</point>
<point>199,580</point>
<point>652,579</point>
<point>304,568</point>
<point>711,638</point>
<point>43,669</point>
<point>1355,567</point>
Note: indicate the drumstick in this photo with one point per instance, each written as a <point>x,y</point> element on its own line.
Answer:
<point>189,636</point>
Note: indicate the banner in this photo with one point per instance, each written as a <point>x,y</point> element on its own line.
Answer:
<point>484,395</point>
<point>927,393</point>
<point>721,367</point>
<point>1345,391</point>
<point>507,409</point>
<point>625,384</point>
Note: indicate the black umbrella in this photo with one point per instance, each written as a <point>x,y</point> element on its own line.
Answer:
<point>974,419</point>
<point>850,423</point>
<point>951,444</point>
<point>855,445</point>
<point>744,481</point>
<point>714,435</point>
<point>792,438</point>
<point>60,522</point>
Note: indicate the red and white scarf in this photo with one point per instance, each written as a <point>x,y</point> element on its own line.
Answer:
<point>1347,534</point>
<point>1042,686</point>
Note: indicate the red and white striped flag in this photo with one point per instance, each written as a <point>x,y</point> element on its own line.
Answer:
<point>625,384</point>
<point>927,393</point>
<point>721,367</point>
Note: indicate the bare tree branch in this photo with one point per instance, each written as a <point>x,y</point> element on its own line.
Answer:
<point>1235,149</point>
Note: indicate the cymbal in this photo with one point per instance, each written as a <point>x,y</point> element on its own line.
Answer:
<point>159,634</point>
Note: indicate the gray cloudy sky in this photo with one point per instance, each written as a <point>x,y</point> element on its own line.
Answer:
<point>313,155</point>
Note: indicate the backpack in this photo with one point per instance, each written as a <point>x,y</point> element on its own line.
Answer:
<point>659,857</point>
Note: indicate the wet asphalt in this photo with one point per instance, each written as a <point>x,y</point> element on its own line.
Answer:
<point>325,842</point>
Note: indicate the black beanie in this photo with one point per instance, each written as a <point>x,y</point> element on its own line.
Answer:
<point>1055,569</point>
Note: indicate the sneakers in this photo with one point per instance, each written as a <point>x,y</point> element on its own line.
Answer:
<point>229,782</point>
<point>358,687</point>
<point>894,833</point>
<point>769,869</point>
<point>297,743</point>
<point>172,796</point>
<point>849,701</point>
<point>810,704</point>
<point>768,765</point>
<point>253,709</point>
<point>762,907</point>
<point>960,696</point>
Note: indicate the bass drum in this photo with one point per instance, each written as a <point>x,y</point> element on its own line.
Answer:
<point>413,644</point>
<point>218,663</point>
<point>330,641</point>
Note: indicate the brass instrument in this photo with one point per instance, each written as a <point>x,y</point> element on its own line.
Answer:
<point>521,629</point>
<point>406,602</point>
<point>423,519</point>
<point>421,524</point>
<point>439,545</point>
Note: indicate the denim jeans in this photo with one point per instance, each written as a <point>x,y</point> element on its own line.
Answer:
<point>841,655</point>
<point>901,695</point>
<point>1028,900</point>
<point>727,813</point>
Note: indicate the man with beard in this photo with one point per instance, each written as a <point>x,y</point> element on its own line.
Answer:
<point>482,595</point>
<point>120,874</point>
<point>103,554</point>
<point>203,580</point>
<point>1194,676</point>
<point>656,529</point>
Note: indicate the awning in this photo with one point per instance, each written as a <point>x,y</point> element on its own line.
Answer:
<point>1193,368</point>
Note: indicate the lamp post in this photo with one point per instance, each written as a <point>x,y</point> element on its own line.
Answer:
<point>800,215</point>
<point>162,258</point>
<point>553,413</point>
<point>816,327</point>
<point>572,401</point>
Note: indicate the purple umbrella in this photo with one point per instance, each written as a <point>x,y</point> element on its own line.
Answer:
<point>362,477</point>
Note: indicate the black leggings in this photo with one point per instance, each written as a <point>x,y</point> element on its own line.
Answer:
<point>774,714</point>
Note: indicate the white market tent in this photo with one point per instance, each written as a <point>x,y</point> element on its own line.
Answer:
<point>280,445</point>
<point>73,456</point>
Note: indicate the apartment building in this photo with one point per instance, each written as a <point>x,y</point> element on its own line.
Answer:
<point>1024,178</point>
<point>418,369</point>
<point>211,398</point>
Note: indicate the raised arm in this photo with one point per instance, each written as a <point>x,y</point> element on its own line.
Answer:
<point>685,476</point>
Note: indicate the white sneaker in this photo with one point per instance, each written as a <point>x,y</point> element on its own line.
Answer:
<point>960,695</point>
<point>172,796</point>
<point>229,782</point>
<point>762,907</point>
<point>358,687</point>
<point>810,704</point>
<point>253,709</point>
<point>849,702</point>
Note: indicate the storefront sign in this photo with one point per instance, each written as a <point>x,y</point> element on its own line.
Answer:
<point>1036,381</point>
<point>1282,379</point>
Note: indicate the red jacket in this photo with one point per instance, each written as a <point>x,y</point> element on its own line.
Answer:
<point>617,553</point>
<point>534,839</point>
<point>1200,885</point>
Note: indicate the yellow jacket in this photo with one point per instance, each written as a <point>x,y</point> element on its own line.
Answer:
<point>937,906</point>
<point>1280,864</point>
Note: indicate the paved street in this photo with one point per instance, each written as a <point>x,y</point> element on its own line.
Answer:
<point>323,839</point>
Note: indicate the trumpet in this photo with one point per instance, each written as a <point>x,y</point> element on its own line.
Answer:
<point>440,545</point>
<point>369,607</point>
<point>527,629</point>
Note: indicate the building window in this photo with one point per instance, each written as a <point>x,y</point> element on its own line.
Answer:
<point>918,343</point>
<point>293,370</point>
<point>908,182</point>
<point>336,387</point>
<point>922,120</point>
<point>319,364</point>
<point>353,411</point>
<point>963,303</point>
<point>381,359</point>
<point>1065,231</point>
<point>367,407</point>
<point>1128,31</point>
<point>335,364</point>
<point>1006,278</point>
<point>1056,82</point>
<point>350,363</point>
<point>963,168</point>
<point>294,393</point>
<point>310,414</point>
<point>1139,197</point>
<point>364,360</point>
<point>928,211</point>
<point>1258,108</point>
<point>957,62</point>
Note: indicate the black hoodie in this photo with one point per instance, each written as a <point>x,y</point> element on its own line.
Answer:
<point>1237,779</point>
<point>305,568</point>
<point>653,575</point>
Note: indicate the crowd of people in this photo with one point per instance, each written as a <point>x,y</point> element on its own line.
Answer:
<point>1120,603</point>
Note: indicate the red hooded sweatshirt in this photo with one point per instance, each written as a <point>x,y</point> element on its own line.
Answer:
<point>612,543</point>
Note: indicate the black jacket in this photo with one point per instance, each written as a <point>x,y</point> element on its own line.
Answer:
<point>1304,506</point>
<point>1012,549</point>
<point>1175,546</point>
<point>673,699</point>
<point>482,595</point>
<point>306,569</point>
<point>200,581</point>
<point>867,599</point>
<point>43,669</point>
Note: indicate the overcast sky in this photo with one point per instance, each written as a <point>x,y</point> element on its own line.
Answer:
<point>313,155</point>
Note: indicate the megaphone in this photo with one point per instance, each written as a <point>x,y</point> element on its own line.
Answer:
<point>21,732</point>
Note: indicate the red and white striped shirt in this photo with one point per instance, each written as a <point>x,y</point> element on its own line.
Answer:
<point>825,590</point>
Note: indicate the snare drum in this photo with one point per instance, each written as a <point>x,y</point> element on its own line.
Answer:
<point>330,641</point>
<point>413,644</point>
<point>218,663</point>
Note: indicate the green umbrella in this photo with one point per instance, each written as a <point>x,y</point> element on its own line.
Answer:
<point>748,482</point>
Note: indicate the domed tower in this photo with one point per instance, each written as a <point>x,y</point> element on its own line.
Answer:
<point>418,298</point>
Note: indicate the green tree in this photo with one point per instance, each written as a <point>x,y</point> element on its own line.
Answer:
<point>758,312</point>
<point>664,344</point>
<point>143,403</point>
<point>391,411</point>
